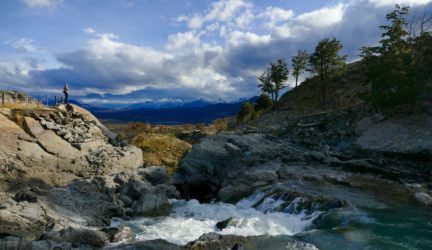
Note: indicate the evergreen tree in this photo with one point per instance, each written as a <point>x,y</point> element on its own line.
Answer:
<point>299,63</point>
<point>326,61</point>
<point>398,69</point>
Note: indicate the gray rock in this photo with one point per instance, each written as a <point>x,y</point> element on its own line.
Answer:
<point>423,198</point>
<point>15,243</point>
<point>233,149</point>
<point>155,175</point>
<point>79,236</point>
<point>152,203</point>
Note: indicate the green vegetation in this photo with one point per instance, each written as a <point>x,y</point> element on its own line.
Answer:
<point>263,102</point>
<point>246,112</point>
<point>325,62</point>
<point>299,63</point>
<point>273,79</point>
<point>399,70</point>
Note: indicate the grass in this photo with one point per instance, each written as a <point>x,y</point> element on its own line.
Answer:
<point>23,106</point>
<point>161,150</point>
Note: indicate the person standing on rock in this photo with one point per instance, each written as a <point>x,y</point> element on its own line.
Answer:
<point>66,93</point>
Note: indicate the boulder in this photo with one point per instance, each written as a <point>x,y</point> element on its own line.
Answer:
<point>152,203</point>
<point>423,198</point>
<point>79,236</point>
<point>15,243</point>
<point>155,175</point>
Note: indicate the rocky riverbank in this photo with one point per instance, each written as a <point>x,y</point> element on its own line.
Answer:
<point>277,181</point>
<point>61,181</point>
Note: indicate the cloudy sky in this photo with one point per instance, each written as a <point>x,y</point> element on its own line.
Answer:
<point>126,51</point>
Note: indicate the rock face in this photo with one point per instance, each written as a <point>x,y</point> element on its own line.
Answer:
<point>323,148</point>
<point>60,180</point>
<point>398,135</point>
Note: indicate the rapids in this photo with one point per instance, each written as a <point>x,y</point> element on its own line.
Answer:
<point>277,218</point>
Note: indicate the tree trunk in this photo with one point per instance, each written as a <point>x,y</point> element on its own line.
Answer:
<point>323,92</point>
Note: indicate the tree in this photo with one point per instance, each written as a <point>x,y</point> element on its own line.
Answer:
<point>273,79</point>
<point>326,61</point>
<point>279,75</point>
<point>263,102</point>
<point>246,111</point>
<point>299,63</point>
<point>266,84</point>
<point>399,68</point>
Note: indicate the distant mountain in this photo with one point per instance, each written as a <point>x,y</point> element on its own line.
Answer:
<point>197,112</point>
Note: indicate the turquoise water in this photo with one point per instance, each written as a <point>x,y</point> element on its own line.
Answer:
<point>273,219</point>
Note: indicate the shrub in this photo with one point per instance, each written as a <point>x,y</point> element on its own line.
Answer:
<point>245,113</point>
<point>263,102</point>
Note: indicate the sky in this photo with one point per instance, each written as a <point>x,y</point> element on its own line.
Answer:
<point>130,51</point>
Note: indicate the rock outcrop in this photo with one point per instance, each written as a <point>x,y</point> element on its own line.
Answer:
<point>333,149</point>
<point>62,180</point>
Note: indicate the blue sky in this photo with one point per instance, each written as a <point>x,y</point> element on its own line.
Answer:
<point>127,51</point>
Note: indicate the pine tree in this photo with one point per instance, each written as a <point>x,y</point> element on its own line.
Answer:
<point>397,69</point>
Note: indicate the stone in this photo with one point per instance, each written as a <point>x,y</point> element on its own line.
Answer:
<point>127,201</point>
<point>155,175</point>
<point>233,149</point>
<point>221,225</point>
<point>135,189</point>
<point>80,236</point>
<point>15,243</point>
<point>423,198</point>
<point>152,204</point>
<point>25,196</point>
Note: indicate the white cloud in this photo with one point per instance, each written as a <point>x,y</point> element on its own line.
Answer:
<point>23,45</point>
<point>323,17</point>
<point>217,55</point>
<point>41,3</point>
<point>221,11</point>
<point>89,30</point>
<point>404,2</point>
<point>276,15</point>
<point>182,40</point>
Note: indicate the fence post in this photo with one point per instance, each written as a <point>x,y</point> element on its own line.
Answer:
<point>61,99</point>
<point>3,98</point>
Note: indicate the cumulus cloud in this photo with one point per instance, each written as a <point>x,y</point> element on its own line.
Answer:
<point>221,11</point>
<point>217,53</point>
<point>323,17</point>
<point>41,3</point>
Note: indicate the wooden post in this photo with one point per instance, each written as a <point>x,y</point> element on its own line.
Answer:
<point>3,97</point>
<point>55,100</point>
<point>61,99</point>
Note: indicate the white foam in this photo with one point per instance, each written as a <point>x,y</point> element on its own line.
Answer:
<point>191,219</point>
